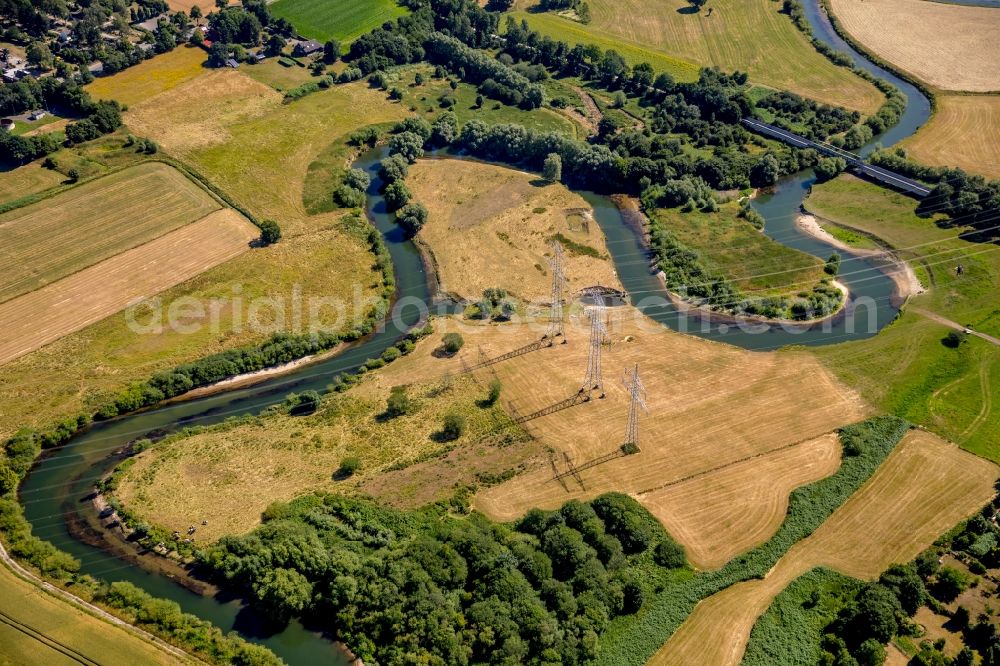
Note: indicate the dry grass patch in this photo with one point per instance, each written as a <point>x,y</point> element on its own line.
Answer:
<point>49,240</point>
<point>152,77</point>
<point>924,488</point>
<point>65,306</point>
<point>747,35</point>
<point>964,132</point>
<point>490,226</point>
<point>952,47</point>
<point>728,511</point>
<point>230,475</point>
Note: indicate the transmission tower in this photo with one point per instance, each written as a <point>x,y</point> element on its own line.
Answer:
<point>594,379</point>
<point>556,316</point>
<point>638,400</point>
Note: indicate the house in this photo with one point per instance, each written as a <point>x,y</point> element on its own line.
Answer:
<point>259,56</point>
<point>37,115</point>
<point>64,36</point>
<point>232,63</point>
<point>307,47</point>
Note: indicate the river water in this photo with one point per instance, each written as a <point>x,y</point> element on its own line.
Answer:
<point>60,484</point>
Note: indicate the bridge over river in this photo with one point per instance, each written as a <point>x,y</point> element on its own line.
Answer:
<point>854,162</point>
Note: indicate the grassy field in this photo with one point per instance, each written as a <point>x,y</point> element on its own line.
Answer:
<point>47,314</point>
<point>343,20</point>
<point>26,180</point>
<point>963,132</point>
<point>949,46</point>
<point>722,513</point>
<point>152,77</point>
<point>326,172</point>
<point>277,458</point>
<point>748,35</point>
<point>61,235</point>
<point>700,420</point>
<point>490,226</point>
<point>64,626</point>
<point>924,488</point>
<point>731,246</point>
<point>272,73</point>
<point>905,369</point>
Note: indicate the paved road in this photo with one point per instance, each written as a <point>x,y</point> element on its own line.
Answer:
<point>953,324</point>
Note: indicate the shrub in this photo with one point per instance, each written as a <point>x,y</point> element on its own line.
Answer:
<point>452,342</point>
<point>494,392</point>
<point>954,339</point>
<point>454,426</point>
<point>670,554</point>
<point>349,465</point>
<point>396,195</point>
<point>399,403</point>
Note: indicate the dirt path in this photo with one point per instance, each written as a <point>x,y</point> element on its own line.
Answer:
<point>954,325</point>
<point>594,115</point>
<point>91,609</point>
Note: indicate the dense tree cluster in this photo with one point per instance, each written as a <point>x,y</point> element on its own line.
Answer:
<point>98,118</point>
<point>424,587</point>
<point>811,119</point>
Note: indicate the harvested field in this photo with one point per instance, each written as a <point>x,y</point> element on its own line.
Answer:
<point>152,77</point>
<point>46,241</point>
<point>489,226</point>
<point>47,314</point>
<point>923,488</point>
<point>701,417</point>
<point>948,46</point>
<point>963,132</point>
<point>747,35</point>
<point>723,513</point>
<point>65,626</point>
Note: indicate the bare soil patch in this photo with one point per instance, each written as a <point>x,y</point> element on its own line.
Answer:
<point>47,314</point>
<point>949,46</point>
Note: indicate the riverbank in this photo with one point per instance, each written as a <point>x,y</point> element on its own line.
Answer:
<point>902,274</point>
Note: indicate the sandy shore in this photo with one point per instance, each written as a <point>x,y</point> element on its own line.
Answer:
<point>899,270</point>
<point>251,378</point>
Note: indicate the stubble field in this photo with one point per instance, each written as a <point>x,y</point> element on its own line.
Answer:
<point>963,132</point>
<point>923,488</point>
<point>49,240</point>
<point>948,46</point>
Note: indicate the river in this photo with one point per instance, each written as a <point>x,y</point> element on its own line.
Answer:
<point>59,486</point>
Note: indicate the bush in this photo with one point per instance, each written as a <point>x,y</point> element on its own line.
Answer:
<point>349,465</point>
<point>412,217</point>
<point>302,403</point>
<point>399,403</point>
<point>452,342</point>
<point>494,392</point>
<point>270,232</point>
<point>954,339</point>
<point>453,428</point>
<point>670,554</point>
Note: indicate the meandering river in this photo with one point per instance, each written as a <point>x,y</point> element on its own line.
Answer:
<point>59,487</point>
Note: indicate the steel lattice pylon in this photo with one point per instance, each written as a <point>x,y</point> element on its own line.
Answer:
<point>556,315</point>
<point>595,378</point>
<point>637,392</point>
